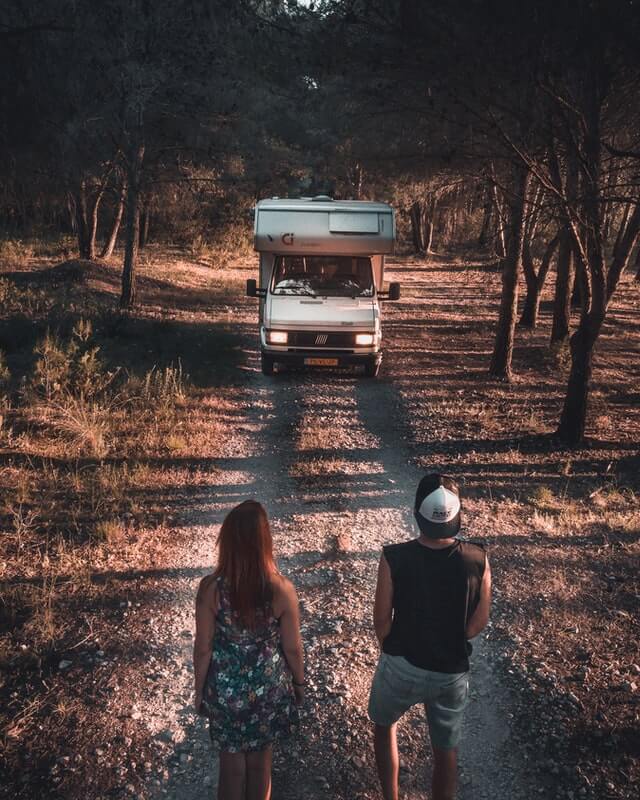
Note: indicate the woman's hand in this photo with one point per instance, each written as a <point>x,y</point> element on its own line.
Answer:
<point>299,693</point>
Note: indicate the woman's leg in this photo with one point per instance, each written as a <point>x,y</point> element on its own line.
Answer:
<point>233,776</point>
<point>259,775</point>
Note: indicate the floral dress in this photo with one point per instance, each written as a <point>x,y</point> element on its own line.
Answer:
<point>248,692</point>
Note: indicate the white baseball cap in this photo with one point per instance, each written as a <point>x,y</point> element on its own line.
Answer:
<point>437,507</point>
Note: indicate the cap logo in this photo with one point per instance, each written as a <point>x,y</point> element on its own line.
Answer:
<point>440,506</point>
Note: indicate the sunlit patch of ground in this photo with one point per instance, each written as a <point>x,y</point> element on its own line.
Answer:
<point>317,467</point>
<point>343,434</point>
<point>561,526</point>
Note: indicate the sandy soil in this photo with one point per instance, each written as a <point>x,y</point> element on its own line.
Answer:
<point>335,458</point>
<point>328,455</point>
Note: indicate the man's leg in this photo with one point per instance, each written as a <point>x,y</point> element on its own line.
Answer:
<point>259,775</point>
<point>231,780</point>
<point>445,772</point>
<point>386,748</point>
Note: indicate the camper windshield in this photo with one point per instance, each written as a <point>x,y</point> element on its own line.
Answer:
<point>327,276</point>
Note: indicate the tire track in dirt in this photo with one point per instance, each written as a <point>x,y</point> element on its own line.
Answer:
<point>490,764</point>
<point>327,455</point>
<point>252,470</point>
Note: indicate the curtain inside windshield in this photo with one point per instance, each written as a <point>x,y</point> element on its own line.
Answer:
<point>327,276</point>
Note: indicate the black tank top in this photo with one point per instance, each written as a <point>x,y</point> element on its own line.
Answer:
<point>435,592</point>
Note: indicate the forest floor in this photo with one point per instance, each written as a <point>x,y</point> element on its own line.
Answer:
<point>97,630</point>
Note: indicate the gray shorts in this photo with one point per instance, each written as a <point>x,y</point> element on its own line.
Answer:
<point>398,685</point>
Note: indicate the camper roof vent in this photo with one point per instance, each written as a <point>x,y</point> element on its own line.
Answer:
<point>322,198</point>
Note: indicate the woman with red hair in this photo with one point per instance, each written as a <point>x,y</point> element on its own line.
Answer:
<point>248,662</point>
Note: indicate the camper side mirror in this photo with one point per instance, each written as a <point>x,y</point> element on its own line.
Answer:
<point>394,291</point>
<point>252,289</point>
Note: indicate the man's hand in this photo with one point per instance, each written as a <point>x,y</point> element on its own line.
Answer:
<point>198,705</point>
<point>299,693</point>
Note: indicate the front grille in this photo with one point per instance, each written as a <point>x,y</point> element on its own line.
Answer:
<point>320,339</point>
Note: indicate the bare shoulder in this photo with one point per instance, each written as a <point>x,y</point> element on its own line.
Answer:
<point>284,593</point>
<point>207,590</point>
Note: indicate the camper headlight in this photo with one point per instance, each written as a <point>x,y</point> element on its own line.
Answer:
<point>365,339</point>
<point>277,337</point>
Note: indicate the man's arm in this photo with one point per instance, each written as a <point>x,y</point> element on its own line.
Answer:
<point>383,604</point>
<point>480,616</point>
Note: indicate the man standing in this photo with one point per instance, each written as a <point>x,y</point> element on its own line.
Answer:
<point>433,595</point>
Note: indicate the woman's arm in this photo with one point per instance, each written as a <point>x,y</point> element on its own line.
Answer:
<point>290,637</point>
<point>480,616</point>
<point>206,609</point>
<point>383,604</point>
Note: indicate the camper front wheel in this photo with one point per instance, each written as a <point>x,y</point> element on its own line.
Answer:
<point>267,364</point>
<point>371,368</point>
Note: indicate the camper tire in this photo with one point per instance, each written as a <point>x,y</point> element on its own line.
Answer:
<point>267,364</point>
<point>372,368</point>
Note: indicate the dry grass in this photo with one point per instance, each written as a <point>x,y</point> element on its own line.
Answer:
<point>230,244</point>
<point>83,502</point>
<point>15,252</point>
<point>563,525</point>
<point>94,407</point>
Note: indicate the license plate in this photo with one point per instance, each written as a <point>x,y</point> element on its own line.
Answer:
<point>321,362</point>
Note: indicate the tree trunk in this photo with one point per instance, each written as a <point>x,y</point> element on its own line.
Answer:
<point>574,412</point>
<point>503,346</point>
<point>531,280</point>
<point>429,224</point>
<point>562,298</point>
<point>144,226</point>
<point>415,214</point>
<point>535,282</point>
<point>625,242</point>
<point>357,179</point>
<point>71,210</point>
<point>93,227</point>
<point>109,245</point>
<point>486,220</point>
<point>428,235</point>
<point>576,291</point>
<point>132,236</point>
<point>453,225</point>
<point>591,272</point>
<point>500,238</point>
<point>82,221</point>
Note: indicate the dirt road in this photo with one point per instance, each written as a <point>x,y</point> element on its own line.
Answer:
<point>330,457</point>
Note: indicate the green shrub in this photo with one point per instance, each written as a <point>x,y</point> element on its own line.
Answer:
<point>70,367</point>
<point>29,300</point>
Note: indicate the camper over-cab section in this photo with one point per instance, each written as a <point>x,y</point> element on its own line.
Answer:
<point>347,227</point>
<point>321,280</point>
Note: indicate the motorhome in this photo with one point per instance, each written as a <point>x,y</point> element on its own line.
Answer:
<point>321,281</point>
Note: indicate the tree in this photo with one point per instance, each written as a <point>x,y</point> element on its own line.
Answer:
<point>582,96</point>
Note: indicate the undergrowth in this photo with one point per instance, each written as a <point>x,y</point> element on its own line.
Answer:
<point>76,436</point>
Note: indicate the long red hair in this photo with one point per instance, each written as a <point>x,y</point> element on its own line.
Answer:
<point>245,560</point>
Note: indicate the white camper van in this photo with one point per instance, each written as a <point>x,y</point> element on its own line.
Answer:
<point>321,281</point>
